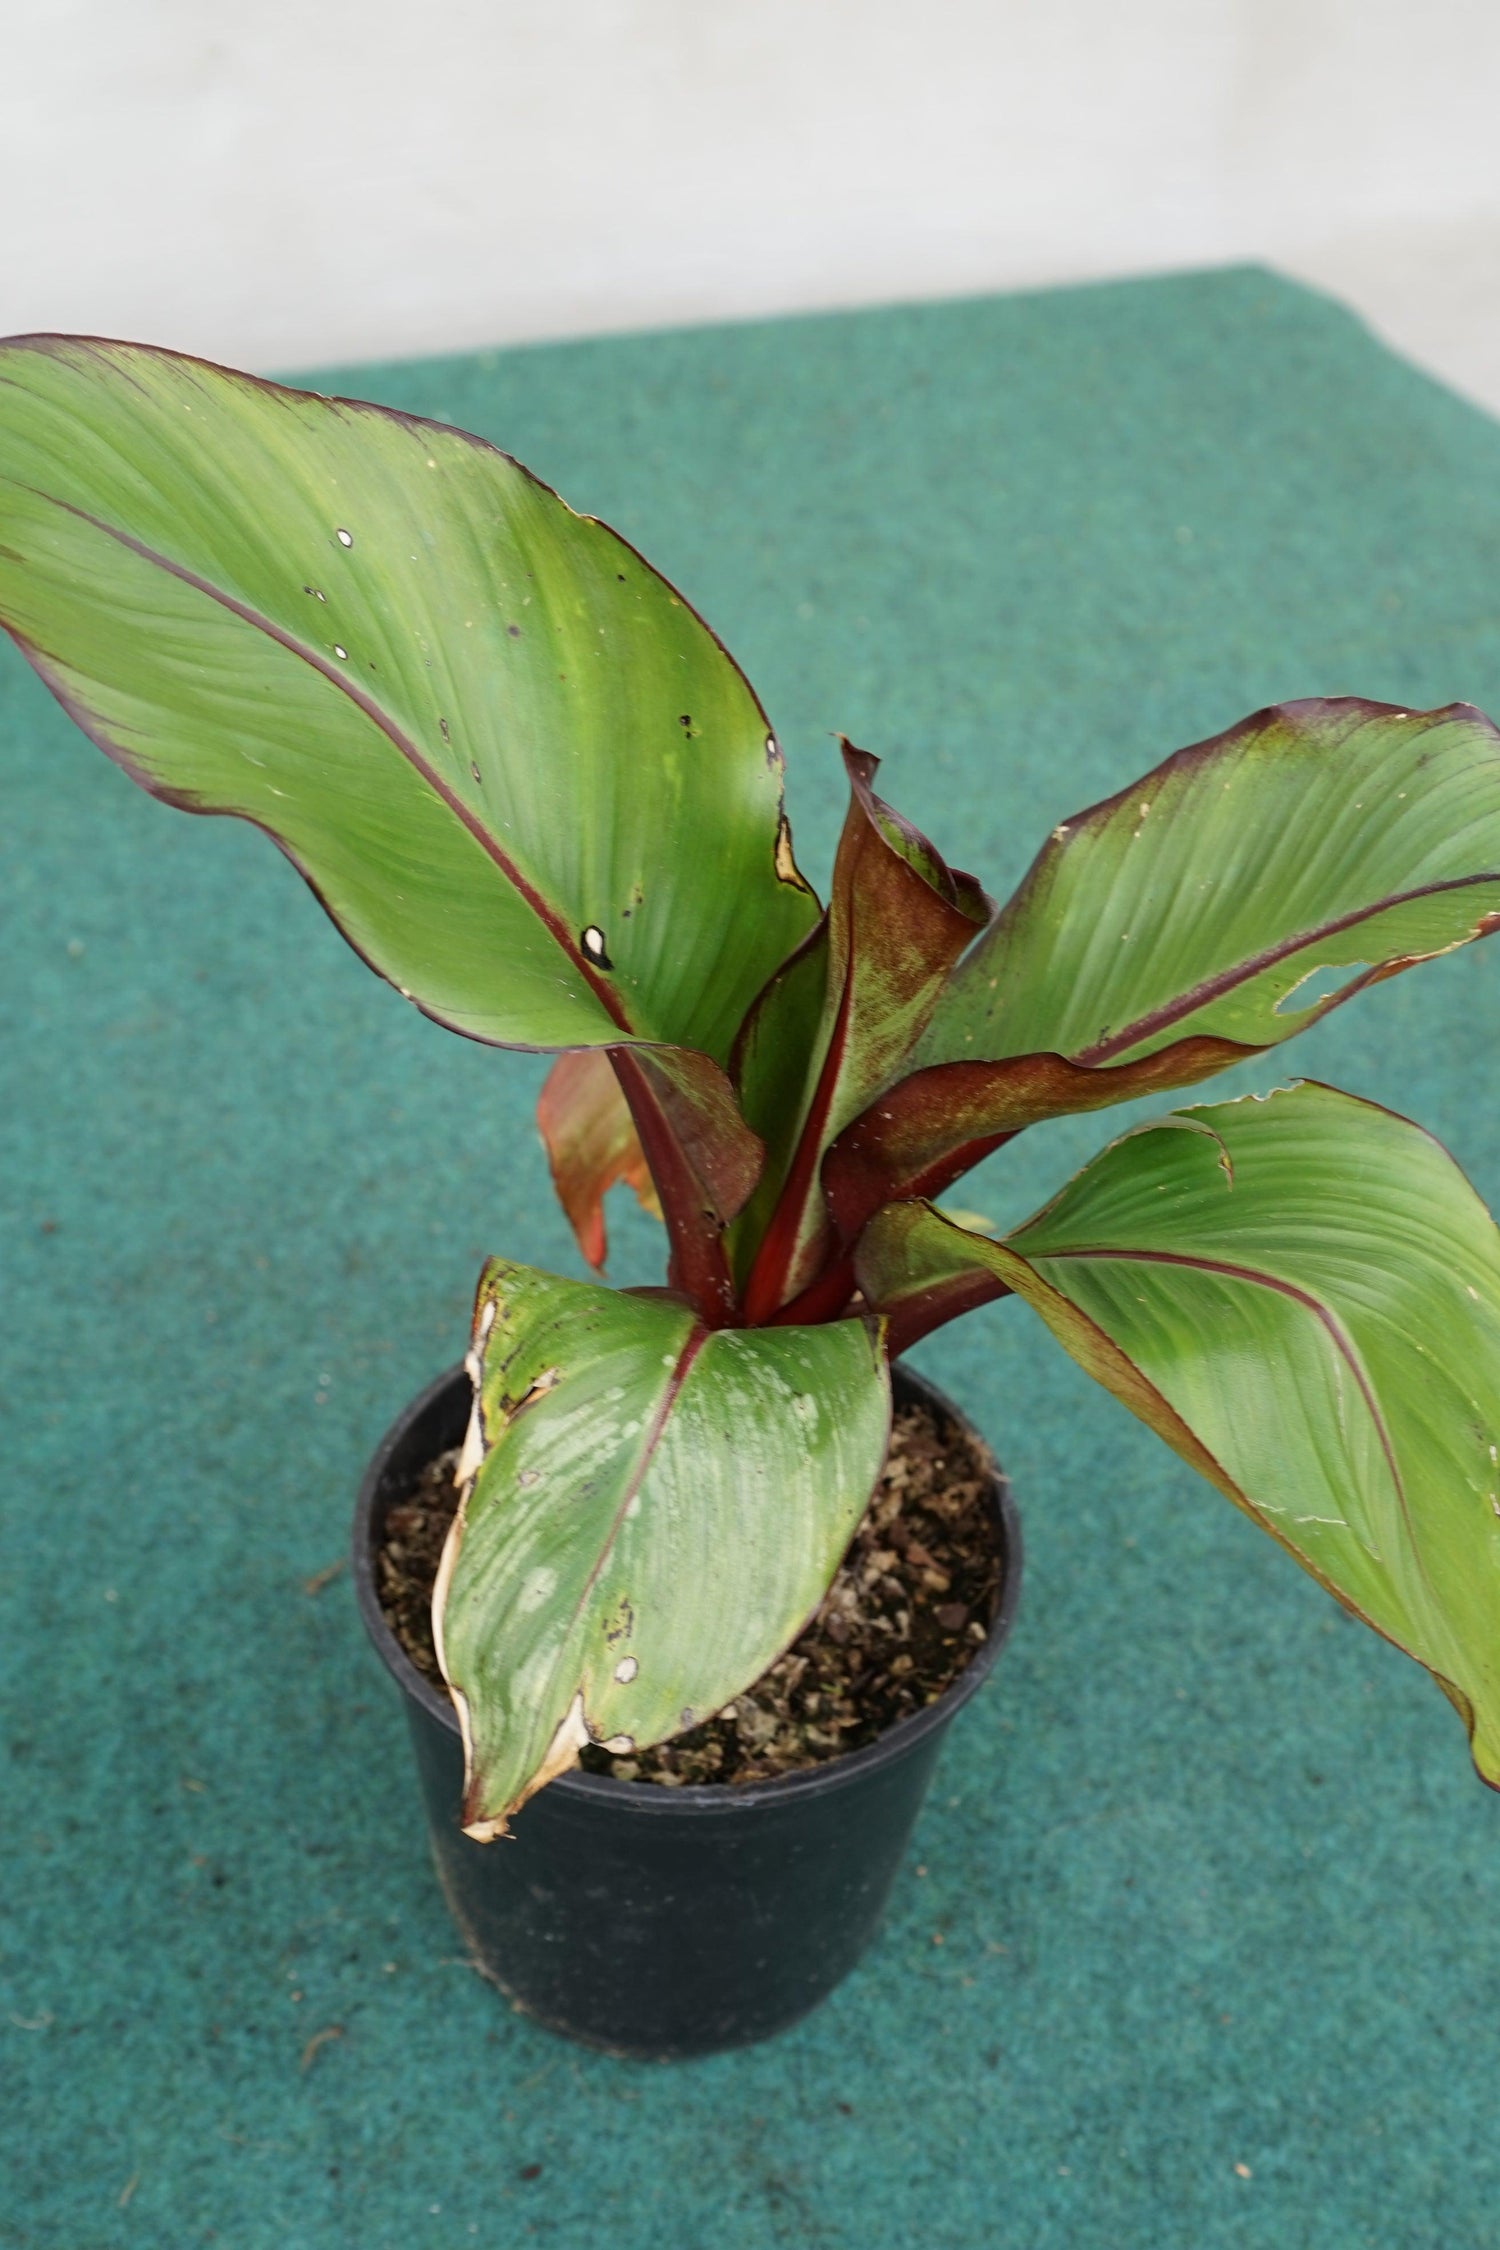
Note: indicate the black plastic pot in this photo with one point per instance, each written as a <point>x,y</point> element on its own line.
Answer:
<point>659,1922</point>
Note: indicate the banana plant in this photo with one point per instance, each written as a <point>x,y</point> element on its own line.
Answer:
<point>533,790</point>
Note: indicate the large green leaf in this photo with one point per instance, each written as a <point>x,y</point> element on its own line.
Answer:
<point>1180,925</point>
<point>1302,1296</point>
<point>655,1511</point>
<point>520,772</point>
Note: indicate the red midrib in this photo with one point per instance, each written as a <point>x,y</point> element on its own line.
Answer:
<point>1214,988</point>
<point>1342,1343</point>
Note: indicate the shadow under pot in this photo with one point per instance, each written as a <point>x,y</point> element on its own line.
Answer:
<point>659,1922</point>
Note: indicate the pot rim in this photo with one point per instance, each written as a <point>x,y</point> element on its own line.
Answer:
<point>648,1799</point>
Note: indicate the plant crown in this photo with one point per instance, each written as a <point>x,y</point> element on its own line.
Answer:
<point>534,791</point>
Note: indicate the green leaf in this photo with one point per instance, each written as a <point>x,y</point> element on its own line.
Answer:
<point>655,1512</point>
<point>519,771</point>
<point>1180,925</point>
<point>898,918</point>
<point>1302,1296</point>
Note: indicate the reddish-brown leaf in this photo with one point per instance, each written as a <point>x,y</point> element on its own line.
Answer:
<point>591,1142</point>
<point>925,1132</point>
<point>703,1157</point>
<point>898,919</point>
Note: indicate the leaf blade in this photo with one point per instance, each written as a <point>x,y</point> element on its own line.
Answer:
<point>591,1142</point>
<point>1164,934</point>
<point>1313,832</point>
<point>464,712</point>
<point>898,919</point>
<point>704,1160</point>
<point>1302,1296</point>
<point>775,1052</point>
<point>656,1510</point>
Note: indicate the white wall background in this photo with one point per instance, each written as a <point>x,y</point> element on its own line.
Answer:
<point>283,182</point>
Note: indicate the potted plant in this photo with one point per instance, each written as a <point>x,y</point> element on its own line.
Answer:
<point>533,790</point>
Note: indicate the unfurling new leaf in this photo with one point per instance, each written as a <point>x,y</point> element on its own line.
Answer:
<point>898,918</point>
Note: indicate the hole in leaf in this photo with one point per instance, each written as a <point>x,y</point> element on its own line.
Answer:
<point>1319,984</point>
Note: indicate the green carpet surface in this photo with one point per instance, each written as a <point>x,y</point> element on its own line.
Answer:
<point>1200,1941</point>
